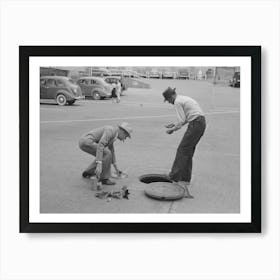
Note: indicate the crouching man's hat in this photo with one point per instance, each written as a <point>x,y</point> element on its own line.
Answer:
<point>168,93</point>
<point>125,126</point>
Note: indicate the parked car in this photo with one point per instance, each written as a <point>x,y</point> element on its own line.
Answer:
<point>126,73</point>
<point>114,79</point>
<point>60,89</point>
<point>235,81</point>
<point>183,75</point>
<point>168,75</point>
<point>155,75</point>
<point>95,87</point>
<point>143,75</point>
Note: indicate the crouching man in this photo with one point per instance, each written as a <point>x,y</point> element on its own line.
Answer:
<point>99,142</point>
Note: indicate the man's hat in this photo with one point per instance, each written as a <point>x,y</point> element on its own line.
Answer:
<point>125,126</point>
<point>168,93</point>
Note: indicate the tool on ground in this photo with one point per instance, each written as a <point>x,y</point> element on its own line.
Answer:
<point>120,174</point>
<point>96,184</point>
<point>123,193</point>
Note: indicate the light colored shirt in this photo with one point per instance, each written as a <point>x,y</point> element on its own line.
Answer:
<point>104,137</point>
<point>187,109</point>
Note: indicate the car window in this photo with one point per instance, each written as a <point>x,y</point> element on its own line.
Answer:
<point>42,82</point>
<point>93,82</point>
<point>59,83</point>
<point>86,82</point>
<point>50,83</point>
<point>101,83</point>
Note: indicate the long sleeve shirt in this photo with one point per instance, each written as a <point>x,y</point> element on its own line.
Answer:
<point>187,109</point>
<point>104,137</point>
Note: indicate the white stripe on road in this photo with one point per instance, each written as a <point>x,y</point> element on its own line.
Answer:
<point>222,112</point>
<point>108,119</point>
<point>132,118</point>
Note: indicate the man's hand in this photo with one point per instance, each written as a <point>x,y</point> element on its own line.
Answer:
<point>117,169</point>
<point>98,169</point>
<point>170,131</point>
<point>170,125</point>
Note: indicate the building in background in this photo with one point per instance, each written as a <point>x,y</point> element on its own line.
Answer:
<point>51,71</point>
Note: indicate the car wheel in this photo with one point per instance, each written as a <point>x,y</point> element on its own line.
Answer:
<point>61,100</point>
<point>96,95</point>
<point>71,102</point>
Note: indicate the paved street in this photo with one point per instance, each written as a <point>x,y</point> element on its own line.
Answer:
<point>150,150</point>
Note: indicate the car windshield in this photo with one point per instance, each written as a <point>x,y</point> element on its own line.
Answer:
<point>102,82</point>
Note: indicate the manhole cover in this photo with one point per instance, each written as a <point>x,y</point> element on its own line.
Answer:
<point>161,187</point>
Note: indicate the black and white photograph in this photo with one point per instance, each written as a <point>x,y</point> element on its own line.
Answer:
<point>158,137</point>
<point>110,144</point>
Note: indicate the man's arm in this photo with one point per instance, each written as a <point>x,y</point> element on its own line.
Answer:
<point>181,119</point>
<point>112,149</point>
<point>103,142</point>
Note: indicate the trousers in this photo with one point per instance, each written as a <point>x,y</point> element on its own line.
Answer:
<point>89,146</point>
<point>182,165</point>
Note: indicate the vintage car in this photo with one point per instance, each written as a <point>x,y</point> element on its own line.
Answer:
<point>235,81</point>
<point>183,75</point>
<point>95,87</point>
<point>154,75</point>
<point>60,89</point>
<point>143,75</point>
<point>114,79</point>
<point>168,75</point>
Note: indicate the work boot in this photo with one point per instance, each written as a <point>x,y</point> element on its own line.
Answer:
<point>186,186</point>
<point>108,182</point>
<point>86,174</point>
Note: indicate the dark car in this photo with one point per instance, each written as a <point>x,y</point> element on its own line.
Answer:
<point>235,81</point>
<point>60,89</point>
<point>95,87</point>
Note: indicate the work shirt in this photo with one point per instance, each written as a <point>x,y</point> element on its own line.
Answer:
<point>187,110</point>
<point>104,137</point>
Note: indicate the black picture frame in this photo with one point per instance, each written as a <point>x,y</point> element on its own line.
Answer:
<point>254,52</point>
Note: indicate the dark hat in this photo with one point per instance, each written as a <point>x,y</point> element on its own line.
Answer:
<point>168,93</point>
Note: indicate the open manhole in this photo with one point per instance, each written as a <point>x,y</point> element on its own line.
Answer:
<point>161,187</point>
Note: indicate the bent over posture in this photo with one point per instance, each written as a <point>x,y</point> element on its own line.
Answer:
<point>188,112</point>
<point>99,142</point>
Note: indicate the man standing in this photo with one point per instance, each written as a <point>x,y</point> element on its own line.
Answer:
<point>99,142</point>
<point>188,112</point>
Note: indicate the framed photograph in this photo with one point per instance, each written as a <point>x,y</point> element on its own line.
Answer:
<point>143,139</point>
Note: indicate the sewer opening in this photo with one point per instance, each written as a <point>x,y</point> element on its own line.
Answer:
<point>152,178</point>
